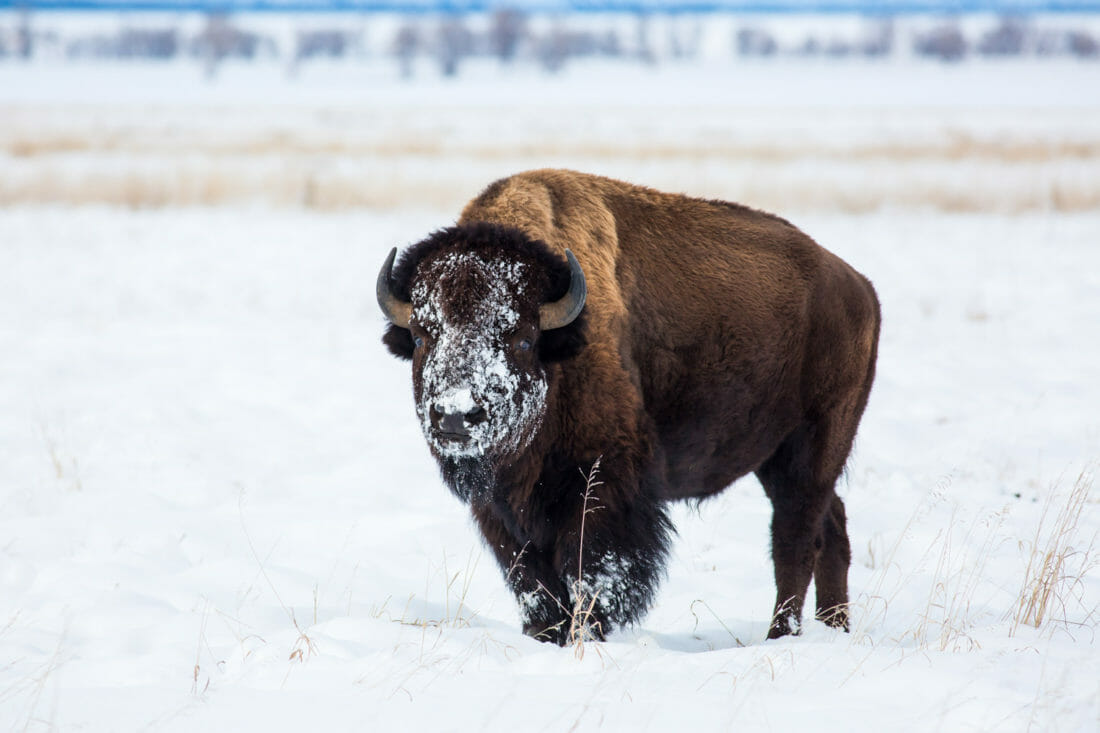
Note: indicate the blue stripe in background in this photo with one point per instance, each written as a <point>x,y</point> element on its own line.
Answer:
<point>864,7</point>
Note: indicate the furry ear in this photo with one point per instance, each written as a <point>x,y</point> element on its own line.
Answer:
<point>399,341</point>
<point>560,344</point>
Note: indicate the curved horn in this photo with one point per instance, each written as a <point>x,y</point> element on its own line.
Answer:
<point>563,312</point>
<point>397,311</point>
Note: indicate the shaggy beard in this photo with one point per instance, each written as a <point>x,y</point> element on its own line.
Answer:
<point>470,478</point>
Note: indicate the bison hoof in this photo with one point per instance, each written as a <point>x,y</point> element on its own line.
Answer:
<point>552,634</point>
<point>565,634</point>
<point>836,617</point>
<point>785,625</point>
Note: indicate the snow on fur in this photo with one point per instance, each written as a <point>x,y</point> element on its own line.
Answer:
<point>468,365</point>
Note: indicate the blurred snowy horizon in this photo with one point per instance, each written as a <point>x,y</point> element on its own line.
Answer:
<point>337,112</point>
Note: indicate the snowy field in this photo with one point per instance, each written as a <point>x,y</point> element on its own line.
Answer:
<point>217,511</point>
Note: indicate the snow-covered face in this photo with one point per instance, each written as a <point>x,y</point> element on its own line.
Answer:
<point>480,390</point>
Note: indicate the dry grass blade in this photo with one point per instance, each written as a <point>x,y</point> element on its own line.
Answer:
<point>456,612</point>
<point>303,645</point>
<point>1059,559</point>
<point>704,604</point>
<point>467,576</point>
<point>583,624</point>
<point>960,571</point>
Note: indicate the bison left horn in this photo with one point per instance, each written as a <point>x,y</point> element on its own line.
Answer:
<point>397,311</point>
<point>564,311</point>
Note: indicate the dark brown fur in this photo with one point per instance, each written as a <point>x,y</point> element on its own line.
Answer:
<point>717,341</point>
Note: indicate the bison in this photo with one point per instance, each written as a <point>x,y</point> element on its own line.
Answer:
<point>569,319</point>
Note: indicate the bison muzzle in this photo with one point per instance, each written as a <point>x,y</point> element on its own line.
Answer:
<point>568,319</point>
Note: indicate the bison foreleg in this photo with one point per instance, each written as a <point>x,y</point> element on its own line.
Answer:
<point>542,597</point>
<point>620,564</point>
<point>543,600</point>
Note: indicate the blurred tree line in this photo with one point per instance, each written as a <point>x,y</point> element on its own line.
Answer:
<point>512,36</point>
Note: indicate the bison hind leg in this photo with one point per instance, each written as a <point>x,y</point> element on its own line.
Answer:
<point>831,569</point>
<point>809,537</point>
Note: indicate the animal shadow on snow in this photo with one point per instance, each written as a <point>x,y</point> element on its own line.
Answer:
<point>705,638</point>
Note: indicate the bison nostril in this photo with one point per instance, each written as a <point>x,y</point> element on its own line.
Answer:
<point>452,423</point>
<point>436,416</point>
<point>455,416</point>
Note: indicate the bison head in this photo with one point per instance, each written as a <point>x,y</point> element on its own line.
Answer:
<point>482,311</point>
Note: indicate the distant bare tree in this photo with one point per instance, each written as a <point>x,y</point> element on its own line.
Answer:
<point>945,42</point>
<point>406,44</point>
<point>1082,44</point>
<point>561,44</point>
<point>552,50</point>
<point>756,42</point>
<point>157,43</point>
<point>645,45</point>
<point>879,41</point>
<point>332,43</point>
<point>683,41</point>
<point>1007,39</point>
<point>24,36</point>
<point>506,31</point>
<point>220,40</point>
<point>454,41</point>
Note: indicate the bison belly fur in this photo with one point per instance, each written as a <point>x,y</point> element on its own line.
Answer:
<point>569,319</point>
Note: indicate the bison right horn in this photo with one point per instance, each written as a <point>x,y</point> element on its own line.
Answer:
<point>564,311</point>
<point>397,311</point>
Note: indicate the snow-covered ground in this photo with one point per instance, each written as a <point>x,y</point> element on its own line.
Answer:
<point>217,511</point>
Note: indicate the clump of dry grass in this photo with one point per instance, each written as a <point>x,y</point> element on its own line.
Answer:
<point>955,567</point>
<point>1059,557</point>
<point>457,613</point>
<point>121,157</point>
<point>874,605</point>
<point>583,625</point>
<point>65,467</point>
<point>304,647</point>
<point>948,612</point>
<point>374,182</point>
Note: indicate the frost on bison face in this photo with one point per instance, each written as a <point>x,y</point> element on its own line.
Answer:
<point>482,312</point>
<point>480,392</point>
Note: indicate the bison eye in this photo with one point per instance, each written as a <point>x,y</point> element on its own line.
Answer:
<point>418,342</point>
<point>524,345</point>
